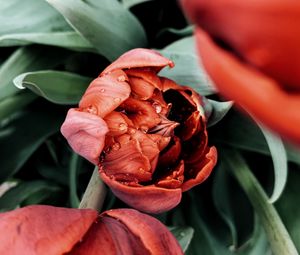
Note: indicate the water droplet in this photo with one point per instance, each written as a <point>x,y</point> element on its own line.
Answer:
<point>140,113</point>
<point>131,131</point>
<point>117,100</point>
<point>116,146</point>
<point>144,128</point>
<point>92,109</point>
<point>122,127</point>
<point>142,170</point>
<point>121,78</point>
<point>182,234</point>
<point>157,107</point>
<point>102,90</point>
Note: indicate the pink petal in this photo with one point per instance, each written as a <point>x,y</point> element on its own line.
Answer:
<point>43,229</point>
<point>106,93</point>
<point>139,58</point>
<point>85,133</point>
<point>149,199</point>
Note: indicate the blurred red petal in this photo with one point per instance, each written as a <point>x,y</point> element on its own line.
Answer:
<point>43,229</point>
<point>85,133</point>
<point>106,93</point>
<point>139,58</point>
<point>261,96</point>
<point>201,169</point>
<point>264,33</point>
<point>149,199</point>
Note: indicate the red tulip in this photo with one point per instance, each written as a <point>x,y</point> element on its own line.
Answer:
<point>35,230</point>
<point>146,133</point>
<point>251,51</point>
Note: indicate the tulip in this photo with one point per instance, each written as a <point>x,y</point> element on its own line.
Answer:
<point>251,51</point>
<point>40,229</point>
<point>146,133</point>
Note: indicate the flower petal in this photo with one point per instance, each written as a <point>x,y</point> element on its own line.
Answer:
<point>127,231</point>
<point>142,113</point>
<point>85,133</point>
<point>264,33</point>
<point>43,229</point>
<point>261,96</point>
<point>149,199</point>
<point>140,88</point>
<point>201,169</point>
<point>117,123</point>
<point>139,58</point>
<point>106,93</point>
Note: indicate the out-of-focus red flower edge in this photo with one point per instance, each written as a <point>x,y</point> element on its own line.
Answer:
<point>260,72</point>
<point>40,230</point>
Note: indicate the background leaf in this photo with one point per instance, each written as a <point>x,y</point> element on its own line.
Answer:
<point>56,86</point>
<point>93,19</point>
<point>183,235</point>
<point>187,70</point>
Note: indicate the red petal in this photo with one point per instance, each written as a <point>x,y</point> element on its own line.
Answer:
<point>126,162</point>
<point>106,93</point>
<point>201,169</point>
<point>148,199</point>
<point>264,33</point>
<point>140,88</point>
<point>170,156</point>
<point>85,133</point>
<point>174,179</point>
<point>142,114</point>
<point>147,75</point>
<point>117,123</point>
<point>43,229</point>
<point>139,58</point>
<point>127,231</point>
<point>261,96</point>
<point>191,126</point>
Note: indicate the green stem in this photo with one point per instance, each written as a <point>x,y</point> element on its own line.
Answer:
<point>279,238</point>
<point>94,194</point>
<point>73,180</point>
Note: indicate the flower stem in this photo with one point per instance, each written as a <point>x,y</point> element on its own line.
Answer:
<point>94,194</point>
<point>279,238</point>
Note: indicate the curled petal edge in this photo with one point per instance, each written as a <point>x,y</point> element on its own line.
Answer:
<point>149,199</point>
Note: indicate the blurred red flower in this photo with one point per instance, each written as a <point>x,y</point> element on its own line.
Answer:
<point>147,134</point>
<point>40,230</point>
<point>251,51</point>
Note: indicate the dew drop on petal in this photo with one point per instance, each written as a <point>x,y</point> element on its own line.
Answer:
<point>115,146</point>
<point>144,128</point>
<point>102,90</point>
<point>117,99</point>
<point>92,109</point>
<point>131,131</point>
<point>121,78</point>
<point>122,127</point>
<point>157,107</point>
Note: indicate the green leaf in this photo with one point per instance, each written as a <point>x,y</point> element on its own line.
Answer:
<point>288,207</point>
<point>279,158</point>
<point>219,110</point>
<point>27,59</point>
<point>187,70</point>
<point>56,86</point>
<point>14,103</point>
<point>277,234</point>
<point>187,31</point>
<point>69,39</point>
<point>30,16</point>
<point>93,20</point>
<point>15,196</point>
<point>183,235</point>
<point>129,3</point>
<point>74,165</point>
<point>22,136</point>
